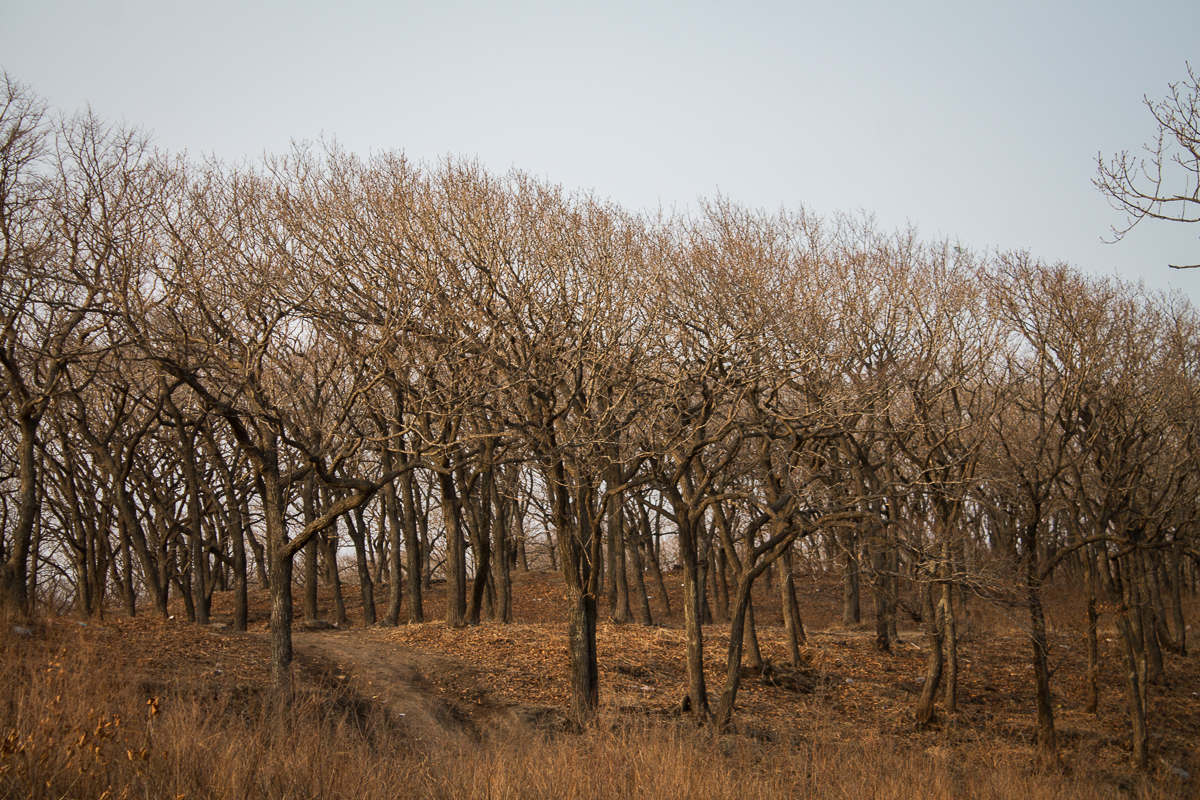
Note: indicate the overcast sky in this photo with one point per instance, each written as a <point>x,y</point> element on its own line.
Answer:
<point>976,121</point>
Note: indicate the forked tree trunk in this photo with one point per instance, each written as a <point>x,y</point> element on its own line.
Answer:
<point>733,668</point>
<point>357,527</point>
<point>1135,688</point>
<point>793,624</point>
<point>329,548</point>
<point>616,542</point>
<point>479,528</point>
<point>391,520</point>
<point>653,555</point>
<point>502,564</point>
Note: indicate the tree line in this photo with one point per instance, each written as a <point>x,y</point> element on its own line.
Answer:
<point>210,370</point>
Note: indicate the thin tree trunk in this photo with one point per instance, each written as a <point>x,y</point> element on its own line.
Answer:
<point>480,531</point>
<point>793,625</point>
<point>357,527</point>
<point>616,543</point>
<point>1093,647</point>
<point>1040,648</point>
<point>1177,597</point>
<point>393,561</point>
<point>851,612</point>
<point>310,554</point>
<point>502,565</point>
<point>644,617</point>
<point>693,616</point>
<point>655,563</point>
<point>329,548</point>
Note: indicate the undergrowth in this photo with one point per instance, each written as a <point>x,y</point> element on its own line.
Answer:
<point>72,726</point>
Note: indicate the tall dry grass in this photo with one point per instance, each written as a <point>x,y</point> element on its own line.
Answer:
<point>73,727</point>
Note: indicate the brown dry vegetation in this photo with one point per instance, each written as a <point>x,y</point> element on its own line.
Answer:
<point>144,708</point>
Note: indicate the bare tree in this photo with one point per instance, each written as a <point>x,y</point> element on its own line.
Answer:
<point>66,221</point>
<point>1165,183</point>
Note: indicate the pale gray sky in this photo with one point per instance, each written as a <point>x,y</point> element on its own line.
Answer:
<point>971,120</point>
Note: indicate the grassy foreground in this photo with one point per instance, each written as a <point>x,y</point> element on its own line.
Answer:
<point>73,725</point>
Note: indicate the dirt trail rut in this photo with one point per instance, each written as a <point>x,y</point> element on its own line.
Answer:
<point>428,694</point>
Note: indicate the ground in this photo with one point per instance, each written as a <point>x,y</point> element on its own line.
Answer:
<point>478,680</point>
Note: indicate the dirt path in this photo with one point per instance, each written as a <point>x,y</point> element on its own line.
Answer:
<point>428,694</point>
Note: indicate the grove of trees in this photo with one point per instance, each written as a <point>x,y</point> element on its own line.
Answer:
<point>210,370</point>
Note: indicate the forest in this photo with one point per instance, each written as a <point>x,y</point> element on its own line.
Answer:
<point>369,375</point>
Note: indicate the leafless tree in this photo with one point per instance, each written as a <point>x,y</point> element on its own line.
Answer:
<point>1164,184</point>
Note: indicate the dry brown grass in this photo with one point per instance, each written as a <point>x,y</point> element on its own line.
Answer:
<point>152,709</point>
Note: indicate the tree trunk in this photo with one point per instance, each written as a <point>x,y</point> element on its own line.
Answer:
<point>733,667</point>
<point>502,565</point>
<point>1135,689</point>
<point>14,570</point>
<point>926,712</point>
<point>793,625</point>
<point>754,658</point>
<point>456,564</point>
<point>1093,647</point>
<point>693,615</point>
<point>357,527</point>
<point>851,613</point>
<point>644,617</point>
<point>950,633</point>
<point>393,561</point>
<point>616,543</point>
<point>720,577</point>
<point>310,554</point>
<point>579,551</point>
<point>329,548</point>
<point>128,592</point>
<point>884,608</point>
<point>281,587</point>
<point>1176,580</point>
<point>480,530</point>
<point>1040,649</point>
<point>581,640</point>
<point>412,548</point>
<point>655,563</point>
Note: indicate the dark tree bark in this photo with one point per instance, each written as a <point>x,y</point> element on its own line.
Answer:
<point>793,624</point>
<point>926,711</point>
<point>357,527</point>
<point>851,609</point>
